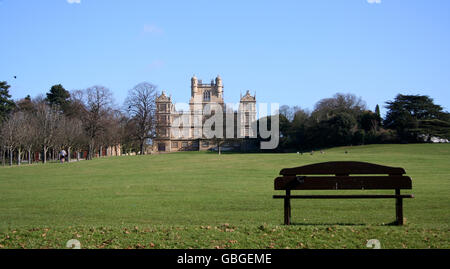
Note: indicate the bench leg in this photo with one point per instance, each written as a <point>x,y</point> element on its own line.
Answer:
<point>287,208</point>
<point>399,208</point>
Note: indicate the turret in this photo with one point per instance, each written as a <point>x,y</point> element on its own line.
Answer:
<point>194,84</point>
<point>219,85</point>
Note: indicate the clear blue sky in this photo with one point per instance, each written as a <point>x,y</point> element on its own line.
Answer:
<point>290,52</point>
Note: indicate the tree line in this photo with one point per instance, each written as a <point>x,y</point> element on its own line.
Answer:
<point>78,121</point>
<point>344,119</point>
<point>88,121</point>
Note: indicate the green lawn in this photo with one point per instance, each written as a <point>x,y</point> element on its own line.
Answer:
<point>203,200</point>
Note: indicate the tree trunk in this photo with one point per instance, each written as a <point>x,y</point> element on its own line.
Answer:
<point>10,157</point>
<point>30,160</point>
<point>78,156</point>
<point>68,154</point>
<point>3,156</point>
<point>91,151</point>
<point>44,155</point>
<point>19,153</point>
<point>142,147</point>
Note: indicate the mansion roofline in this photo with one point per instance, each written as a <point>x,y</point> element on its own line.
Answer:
<point>167,137</point>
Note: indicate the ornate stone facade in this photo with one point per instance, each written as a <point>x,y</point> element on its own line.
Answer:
<point>203,95</point>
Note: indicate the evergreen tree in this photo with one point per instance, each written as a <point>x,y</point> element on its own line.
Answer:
<point>6,103</point>
<point>58,96</point>
<point>415,115</point>
<point>378,113</point>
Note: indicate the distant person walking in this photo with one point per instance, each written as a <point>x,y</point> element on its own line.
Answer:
<point>63,154</point>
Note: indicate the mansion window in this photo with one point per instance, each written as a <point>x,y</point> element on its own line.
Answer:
<point>205,144</point>
<point>164,119</point>
<point>184,144</point>
<point>164,132</point>
<point>206,96</point>
<point>247,132</point>
<point>174,144</point>
<point>197,132</point>
<point>162,107</point>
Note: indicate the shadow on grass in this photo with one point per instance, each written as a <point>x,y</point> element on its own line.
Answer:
<point>394,223</point>
<point>230,152</point>
<point>326,224</point>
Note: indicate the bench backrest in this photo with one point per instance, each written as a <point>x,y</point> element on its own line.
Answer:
<point>337,175</point>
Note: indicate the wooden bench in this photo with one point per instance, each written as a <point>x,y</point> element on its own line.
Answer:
<point>337,176</point>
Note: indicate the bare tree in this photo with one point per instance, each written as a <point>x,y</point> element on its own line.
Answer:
<point>117,131</point>
<point>80,144</point>
<point>126,129</point>
<point>2,144</point>
<point>21,133</point>
<point>77,111</point>
<point>76,107</point>
<point>29,126</point>
<point>98,102</point>
<point>328,107</point>
<point>72,133</point>
<point>140,104</point>
<point>10,134</point>
<point>289,112</point>
<point>107,138</point>
<point>47,120</point>
<point>30,133</point>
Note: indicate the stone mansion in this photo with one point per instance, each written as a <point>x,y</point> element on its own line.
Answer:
<point>170,139</point>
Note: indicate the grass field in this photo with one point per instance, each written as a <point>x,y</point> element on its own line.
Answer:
<point>203,200</point>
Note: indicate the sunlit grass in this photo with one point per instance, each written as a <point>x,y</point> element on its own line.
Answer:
<point>181,193</point>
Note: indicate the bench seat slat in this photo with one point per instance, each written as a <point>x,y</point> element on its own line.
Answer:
<point>342,168</point>
<point>342,183</point>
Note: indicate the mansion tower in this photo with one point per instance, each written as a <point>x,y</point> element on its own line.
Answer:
<point>170,138</point>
